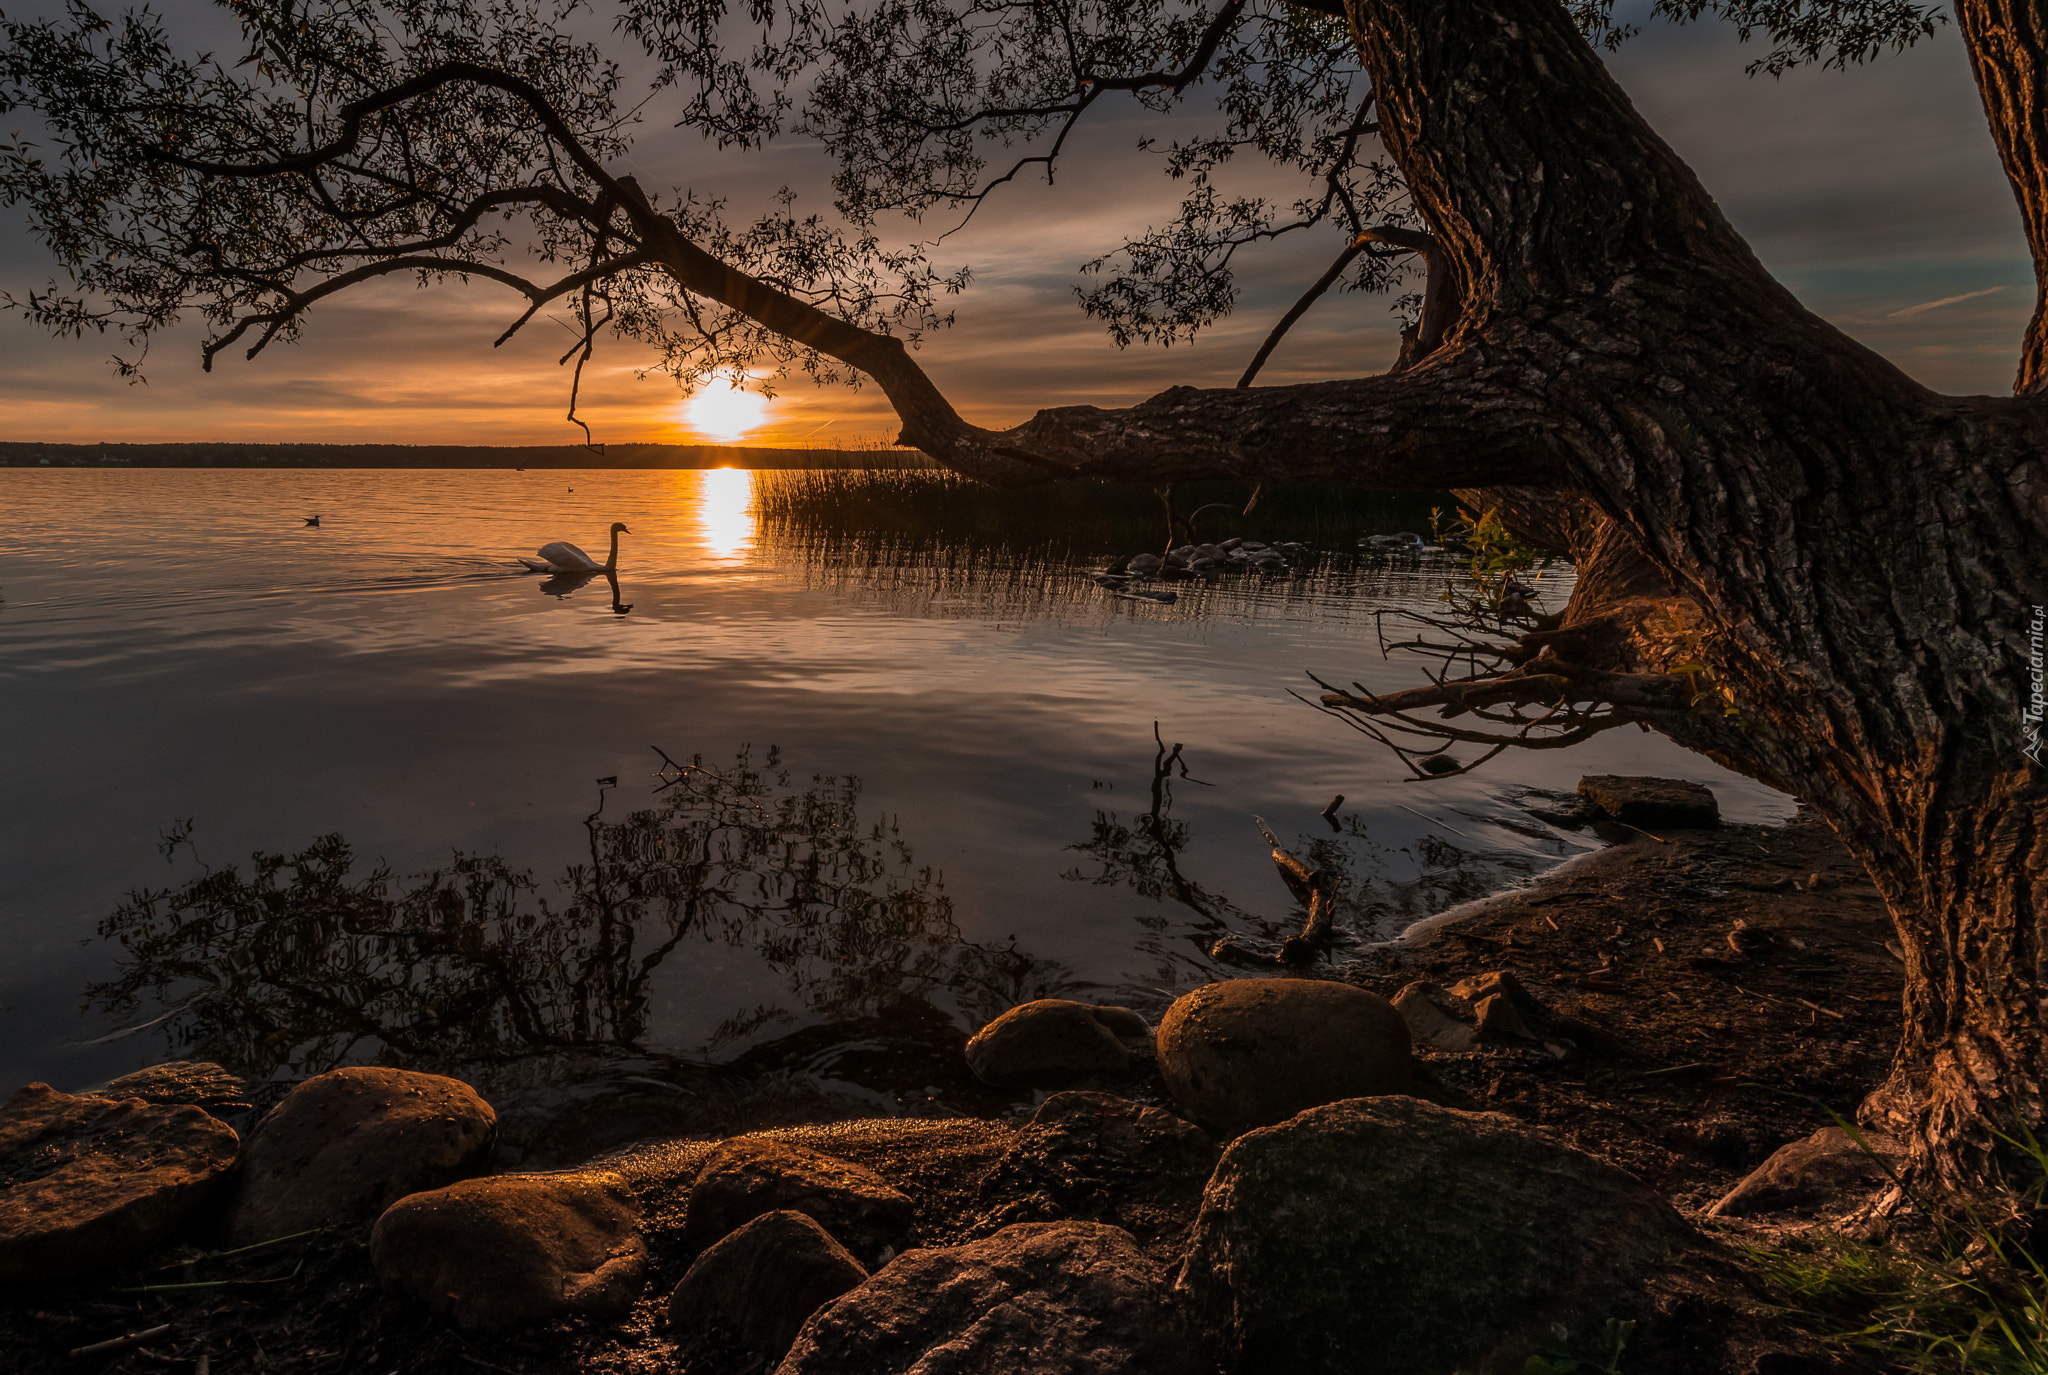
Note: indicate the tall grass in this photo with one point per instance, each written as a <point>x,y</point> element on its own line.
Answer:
<point>1089,515</point>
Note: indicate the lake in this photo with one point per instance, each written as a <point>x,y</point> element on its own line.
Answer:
<point>861,775</point>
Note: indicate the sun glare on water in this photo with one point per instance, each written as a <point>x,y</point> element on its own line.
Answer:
<point>725,516</point>
<point>724,414</point>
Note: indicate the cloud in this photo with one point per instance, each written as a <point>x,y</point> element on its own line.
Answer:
<point>1858,189</point>
<point>1944,301</point>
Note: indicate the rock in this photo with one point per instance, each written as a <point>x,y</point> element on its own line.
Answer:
<point>1651,802</point>
<point>1499,983</point>
<point>88,1183</point>
<point>1250,1052</point>
<point>755,1289</point>
<point>1496,1019</point>
<point>1438,1017</point>
<point>1104,1158</point>
<point>1485,1010</point>
<point>1040,1298</point>
<point>345,1145</point>
<point>1052,1043</point>
<point>197,1083</point>
<point>1810,1173</point>
<point>515,1249</point>
<point>743,1179</point>
<point>1393,1234</point>
<point>1144,563</point>
<point>1502,1010</point>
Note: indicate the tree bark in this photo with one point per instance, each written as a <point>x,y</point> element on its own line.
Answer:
<point>2008,45</point>
<point>1863,557</point>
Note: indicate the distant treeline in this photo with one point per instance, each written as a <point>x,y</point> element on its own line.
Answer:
<point>24,455</point>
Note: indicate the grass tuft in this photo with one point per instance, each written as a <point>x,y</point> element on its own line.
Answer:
<point>1976,1303</point>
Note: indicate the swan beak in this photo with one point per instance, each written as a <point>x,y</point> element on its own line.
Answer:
<point>624,531</point>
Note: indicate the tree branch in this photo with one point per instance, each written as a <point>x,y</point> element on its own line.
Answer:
<point>356,111</point>
<point>296,302</point>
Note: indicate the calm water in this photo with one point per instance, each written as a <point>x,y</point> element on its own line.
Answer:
<point>926,780</point>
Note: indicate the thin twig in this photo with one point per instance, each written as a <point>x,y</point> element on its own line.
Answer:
<point>120,1343</point>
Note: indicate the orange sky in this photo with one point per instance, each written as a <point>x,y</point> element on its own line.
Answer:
<point>1874,194</point>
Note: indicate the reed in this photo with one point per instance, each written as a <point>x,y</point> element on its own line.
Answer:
<point>1086,515</point>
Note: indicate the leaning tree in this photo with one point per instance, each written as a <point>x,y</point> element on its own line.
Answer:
<point>1792,557</point>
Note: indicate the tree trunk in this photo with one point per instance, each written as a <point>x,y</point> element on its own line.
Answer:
<point>2008,45</point>
<point>1864,558</point>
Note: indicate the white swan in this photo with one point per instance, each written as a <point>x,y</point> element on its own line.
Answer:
<point>564,557</point>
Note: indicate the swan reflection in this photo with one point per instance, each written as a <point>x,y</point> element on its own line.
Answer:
<point>562,584</point>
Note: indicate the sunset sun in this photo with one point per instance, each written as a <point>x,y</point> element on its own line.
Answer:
<point>723,414</point>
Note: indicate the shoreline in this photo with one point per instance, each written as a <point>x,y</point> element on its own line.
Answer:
<point>29,454</point>
<point>1697,1002</point>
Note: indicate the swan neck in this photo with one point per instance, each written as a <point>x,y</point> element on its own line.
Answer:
<point>613,561</point>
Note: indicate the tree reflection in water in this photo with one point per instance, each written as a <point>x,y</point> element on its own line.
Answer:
<point>303,964</point>
<point>1147,855</point>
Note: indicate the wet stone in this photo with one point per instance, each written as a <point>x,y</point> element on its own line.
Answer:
<point>1823,1169</point>
<point>1251,1052</point>
<point>1105,1159</point>
<point>1651,802</point>
<point>744,1179</point>
<point>197,1083</point>
<point>1040,1298</point>
<point>1393,1234</point>
<point>345,1145</point>
<point>1055,1043</point>
<point>88,1183</point>
<point>515,1249</point>
<point>751,1293</point>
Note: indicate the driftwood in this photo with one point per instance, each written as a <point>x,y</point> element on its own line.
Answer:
<point>1310,887</point>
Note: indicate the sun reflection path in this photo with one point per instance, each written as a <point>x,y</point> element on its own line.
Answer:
<point>725,511</point>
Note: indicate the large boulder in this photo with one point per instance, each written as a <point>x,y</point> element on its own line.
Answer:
<point>749,1295</point>
<point>1812,1173</point>
<point>1040,1298</point>
<point>1104,1158</point>
<point>1054,1043</point>
<point>88,1183</point>
<point>514,1249</point>
<point>1251,1052</point>
<point>743,1179</point>
<point>346,1145</point>
<point>1392,1234</point>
